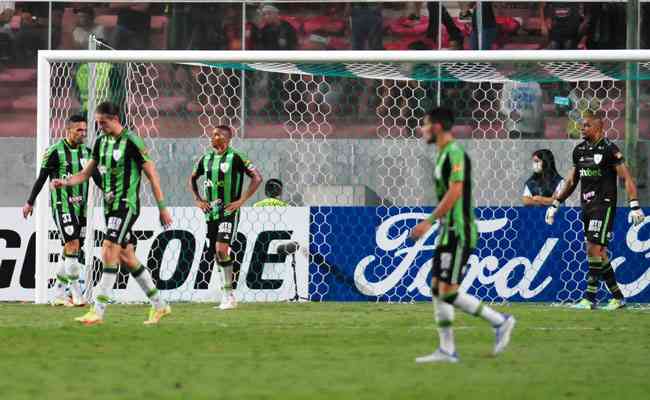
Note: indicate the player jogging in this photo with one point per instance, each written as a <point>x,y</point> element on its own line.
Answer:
<point>273,192</point>
<point>63,159</point>
<point>597,162</point>
<point>223,168</point>
<point>121,157</point>
<point>455,241</point>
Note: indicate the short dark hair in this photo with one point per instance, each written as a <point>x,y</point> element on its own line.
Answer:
<point>108,108</point>
<point>443,116</point>
<point>225,128</point>
<point>74,118</point>
<point>273,188</point>
<point>598,114</point>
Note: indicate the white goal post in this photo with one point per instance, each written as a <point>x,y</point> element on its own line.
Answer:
<point>384,65</point>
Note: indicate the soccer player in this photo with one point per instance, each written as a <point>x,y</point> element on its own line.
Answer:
<point>223,168</point>
<point>273,191</point>
<point>65,158</point>
<point>455,241</point>
<point>597,162</point>
<point>121,157</point>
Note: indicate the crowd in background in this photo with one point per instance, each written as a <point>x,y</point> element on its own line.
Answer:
<point>24,28</point>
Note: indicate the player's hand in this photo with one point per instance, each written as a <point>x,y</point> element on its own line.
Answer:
<point>28,209</point>
<point>203,205</point>
<point>57,183</point>
<point>550,212</point>
<point>420,229</point>
<point>165,218</point>
<point>235,205</point>
<point>636,215</point>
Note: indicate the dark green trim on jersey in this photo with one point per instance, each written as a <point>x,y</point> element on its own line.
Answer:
<point>120,160</point>
<point>62,161</point>
<point>453,165</point>
<point>224,177</point>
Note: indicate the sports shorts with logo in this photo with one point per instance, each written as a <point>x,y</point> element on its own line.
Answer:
<point>223,230</point>
<point>71,227</point>
<point>598,221</point>
<point>450,261</point>
<point>118,227</point>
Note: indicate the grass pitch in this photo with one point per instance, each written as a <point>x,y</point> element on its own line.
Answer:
<point>319,351</point>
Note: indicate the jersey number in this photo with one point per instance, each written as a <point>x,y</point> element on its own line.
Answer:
<point>66,219</point>
<point>114,223</point>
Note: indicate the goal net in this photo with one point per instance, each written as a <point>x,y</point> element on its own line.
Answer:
<point>340,130</point>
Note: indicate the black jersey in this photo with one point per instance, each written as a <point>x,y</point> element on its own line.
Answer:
<point>595,166</point>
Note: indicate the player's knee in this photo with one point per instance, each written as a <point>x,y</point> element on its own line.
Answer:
<point>72,247</point>
<point>223,255</point>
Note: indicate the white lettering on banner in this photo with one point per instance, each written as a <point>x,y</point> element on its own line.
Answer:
<point>638,246</point>
<point>476,271</point>
<point>388,244</point>
<point>255,223</point>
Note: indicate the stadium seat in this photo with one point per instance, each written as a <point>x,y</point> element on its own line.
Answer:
<point>108,21</point>
<point>324,24</point>
<point>405,27</point>
<point>25,103</point>
<point>13,76</point>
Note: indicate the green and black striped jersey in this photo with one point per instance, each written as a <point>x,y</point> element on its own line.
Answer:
<point>62,161</point>
<point>119,161</point>
<point>224,179</point>
<point>453,165</point>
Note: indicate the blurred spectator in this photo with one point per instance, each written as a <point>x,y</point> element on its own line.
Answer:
<point>133,27</point>
<point>455,35</point>
<point>522,106</point>
<point>207,22</point>
<point>180,25</point>
<point>276,34</point>
<point>489,33</point>
<point>544,182</point>
<point>85,26</point>
<point>560,23</point>
<point>33,32</point>
<point>367,24</point>
<point>605,26</point>
<point>7,10</point>
<point>644,23</point>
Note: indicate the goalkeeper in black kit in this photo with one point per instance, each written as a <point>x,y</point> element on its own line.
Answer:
<point>597,163</point>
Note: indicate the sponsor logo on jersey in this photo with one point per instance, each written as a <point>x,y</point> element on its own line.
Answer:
<point>598,158</point>
<point>590,172</point>
<point>76,199</point>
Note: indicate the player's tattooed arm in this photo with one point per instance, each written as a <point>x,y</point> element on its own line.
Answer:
<point>256,180</point>
<point>453,194</point>
<point>636,215</point>
<point>194,188</point>
<point>570,184</point>
<point>77,179</point>
<point>149,169</point>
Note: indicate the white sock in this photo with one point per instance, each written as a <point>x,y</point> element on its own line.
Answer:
<point>227,279</point>
<point>61,279</point>
<point>472,305</point>
<point>105,292</point>
<point>444,315</point>
<point>143,277</point>
<point>73,269</point>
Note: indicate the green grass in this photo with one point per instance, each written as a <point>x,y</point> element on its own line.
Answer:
<point>319,351</point>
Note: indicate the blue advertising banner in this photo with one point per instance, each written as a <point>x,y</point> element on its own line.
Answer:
<point>364,253</point>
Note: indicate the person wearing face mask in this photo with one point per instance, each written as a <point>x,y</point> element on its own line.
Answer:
<point>544,182</point>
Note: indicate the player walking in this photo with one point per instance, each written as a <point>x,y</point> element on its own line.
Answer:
<point>63,159</point>
<point>223,168</point>
<point>121,157</point>
<point>597,162</point>
<point>455,241</point>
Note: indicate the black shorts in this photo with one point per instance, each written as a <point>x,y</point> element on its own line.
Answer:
<point>71,227</point>
<point>118,227</point>
<point>223,230</point>
<point>599,222</point>
<point>450,261</point>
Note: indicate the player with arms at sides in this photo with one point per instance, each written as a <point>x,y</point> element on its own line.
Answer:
<point>455,241</point>
<point>121,157</point>
<point>273,192</point>
<point>65,158</point>
<point>223,168</point>
<point>597,163</point>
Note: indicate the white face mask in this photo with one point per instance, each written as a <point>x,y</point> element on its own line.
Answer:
<point>537,167</point>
